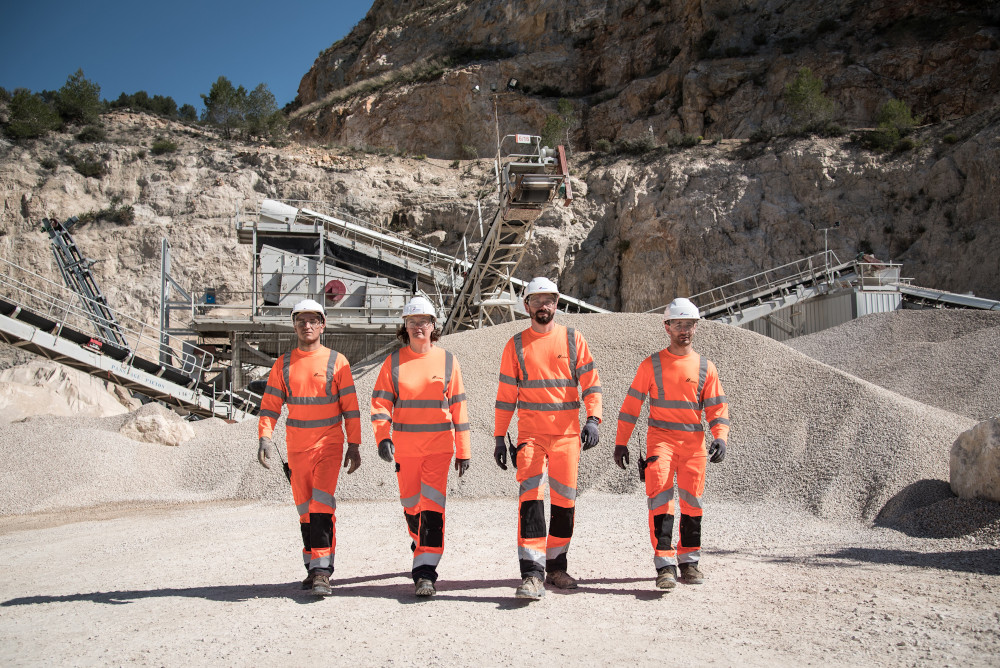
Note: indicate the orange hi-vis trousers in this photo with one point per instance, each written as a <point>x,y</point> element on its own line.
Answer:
<point>423,488</point>
<point>539,550</point>
<point>314,479</point>
<point>687,461</point>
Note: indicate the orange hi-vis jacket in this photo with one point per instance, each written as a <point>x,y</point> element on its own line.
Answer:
<point>419,402</point>
<point>318,388</point>
<point>539,374</point>
<point>679,388</point>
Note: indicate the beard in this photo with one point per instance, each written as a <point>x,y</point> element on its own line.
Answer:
<point>543,317</point>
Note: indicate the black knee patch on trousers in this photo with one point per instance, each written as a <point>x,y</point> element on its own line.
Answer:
<point>663,529</point>
<point>320,530</point>
<point>561,522</point>
<point>412,523</point>
<point>304,528</point>
<point>533,519</point>
<point>431,528</point>
<point>690,531</point>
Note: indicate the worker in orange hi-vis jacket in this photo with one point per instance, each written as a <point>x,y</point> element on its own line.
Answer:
<point>540,371</point>
<point>680,384</point>
<point>420,417</point>
<point>316,385</point>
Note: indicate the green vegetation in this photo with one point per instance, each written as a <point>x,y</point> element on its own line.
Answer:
<point>895,121</point>
<point>30,115</point>
<point>557,125</point>
<point>141,101</point>
<point>234,110</point>
<point>808,107</point>
<point>88,163</point>
<point>91,134</point>
<point>79,100</point>
<point>161,146</point>
<point>116,212</point>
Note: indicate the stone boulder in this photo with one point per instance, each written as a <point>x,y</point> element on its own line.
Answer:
<point>975,462</point>
<point>155,424</point>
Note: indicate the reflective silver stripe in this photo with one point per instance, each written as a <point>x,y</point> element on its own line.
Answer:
<point>440,426</point>
<point>596,389</point>
<point>553,552</point>
<point>344,391</point>
<point>571,346</point>
<point>352,414</point>
<point>322,562</point>
<point>312,424</point>
<point>702,374</point>
<point>715,401</point>
<point>306,557</point>
<point>330,361</point>
<point>625,417</point>
<point>657,374</point>
<point>427,559</point>
<point>528,554</point>
<point>502,405</point>
<point>458,398</point>
<point>266,413</point>
<point>285,365</point>
<point>660,562</point>
<point>549,382</point>
<point>324,497</point>
<point>530,406</point>
<point>274,391</point>
<point>382,394</point>
<point>670,403</point>
<point>302,508</point>
<point>531,483</point>
<point>660,499</point>
<point>432,494</point>
<point>311,401</point>
<point>462,426</point>
<point>565,491</point>
<point>410,501</point>
<point>676,426</point>
<point>510,380</point>
<point>394,366</point>
<point>381,416</point>
<point>718,421</point>
<point>636,394</point>
<point>420,403</point>
<point>519,350</point>
<point>689,557</point>
<point>449,361</point>
<point>689,498</point>
<point>585,368</point>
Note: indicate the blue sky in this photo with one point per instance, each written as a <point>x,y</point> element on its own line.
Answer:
<point>172,48</point>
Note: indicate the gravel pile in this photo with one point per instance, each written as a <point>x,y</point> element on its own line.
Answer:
<point>949,358</point>
<point>804,434</point>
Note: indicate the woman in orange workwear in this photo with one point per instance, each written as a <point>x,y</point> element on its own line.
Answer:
<point>420,418</point>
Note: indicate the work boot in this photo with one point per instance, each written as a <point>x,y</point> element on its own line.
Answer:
<point>308,582</point>
<point>666,577</point>
<point>424,587</point>
<point>560,580</point>
<point>321,585</point>
<point>531,588</point>
<point>691,575</point>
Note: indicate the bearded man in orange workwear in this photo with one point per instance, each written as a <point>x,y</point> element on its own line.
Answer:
<point>540,370</point>
<point>420,418</point>
<point>680,384</point>
<point>316,384</point>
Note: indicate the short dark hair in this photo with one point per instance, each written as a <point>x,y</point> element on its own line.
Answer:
<point>404,336</point>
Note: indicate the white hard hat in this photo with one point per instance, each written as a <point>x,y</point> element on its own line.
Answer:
<point>681,309</point>
<point>541,285</point>
<point>308,306</point>
<point>419,306</point>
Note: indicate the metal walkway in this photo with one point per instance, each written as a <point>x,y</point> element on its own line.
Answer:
<point>41,317</point>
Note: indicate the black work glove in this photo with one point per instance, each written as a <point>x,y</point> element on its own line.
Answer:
<point>500,453</point>
<point>590,436</point>
<point>717,451</point>
<point>352,458</point>
<point>461,465</point>
<point>621,456</point>
<point>386,449</point>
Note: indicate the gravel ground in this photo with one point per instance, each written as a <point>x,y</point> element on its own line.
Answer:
<point>831,533</point>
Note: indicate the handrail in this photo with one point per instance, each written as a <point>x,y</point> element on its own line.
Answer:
<point>67,313</point>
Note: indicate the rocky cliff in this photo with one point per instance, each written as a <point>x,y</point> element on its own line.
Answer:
<point>417,75</point>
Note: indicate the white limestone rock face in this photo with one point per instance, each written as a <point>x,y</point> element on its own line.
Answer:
<point>975,462</point>
<point>155,424</point>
